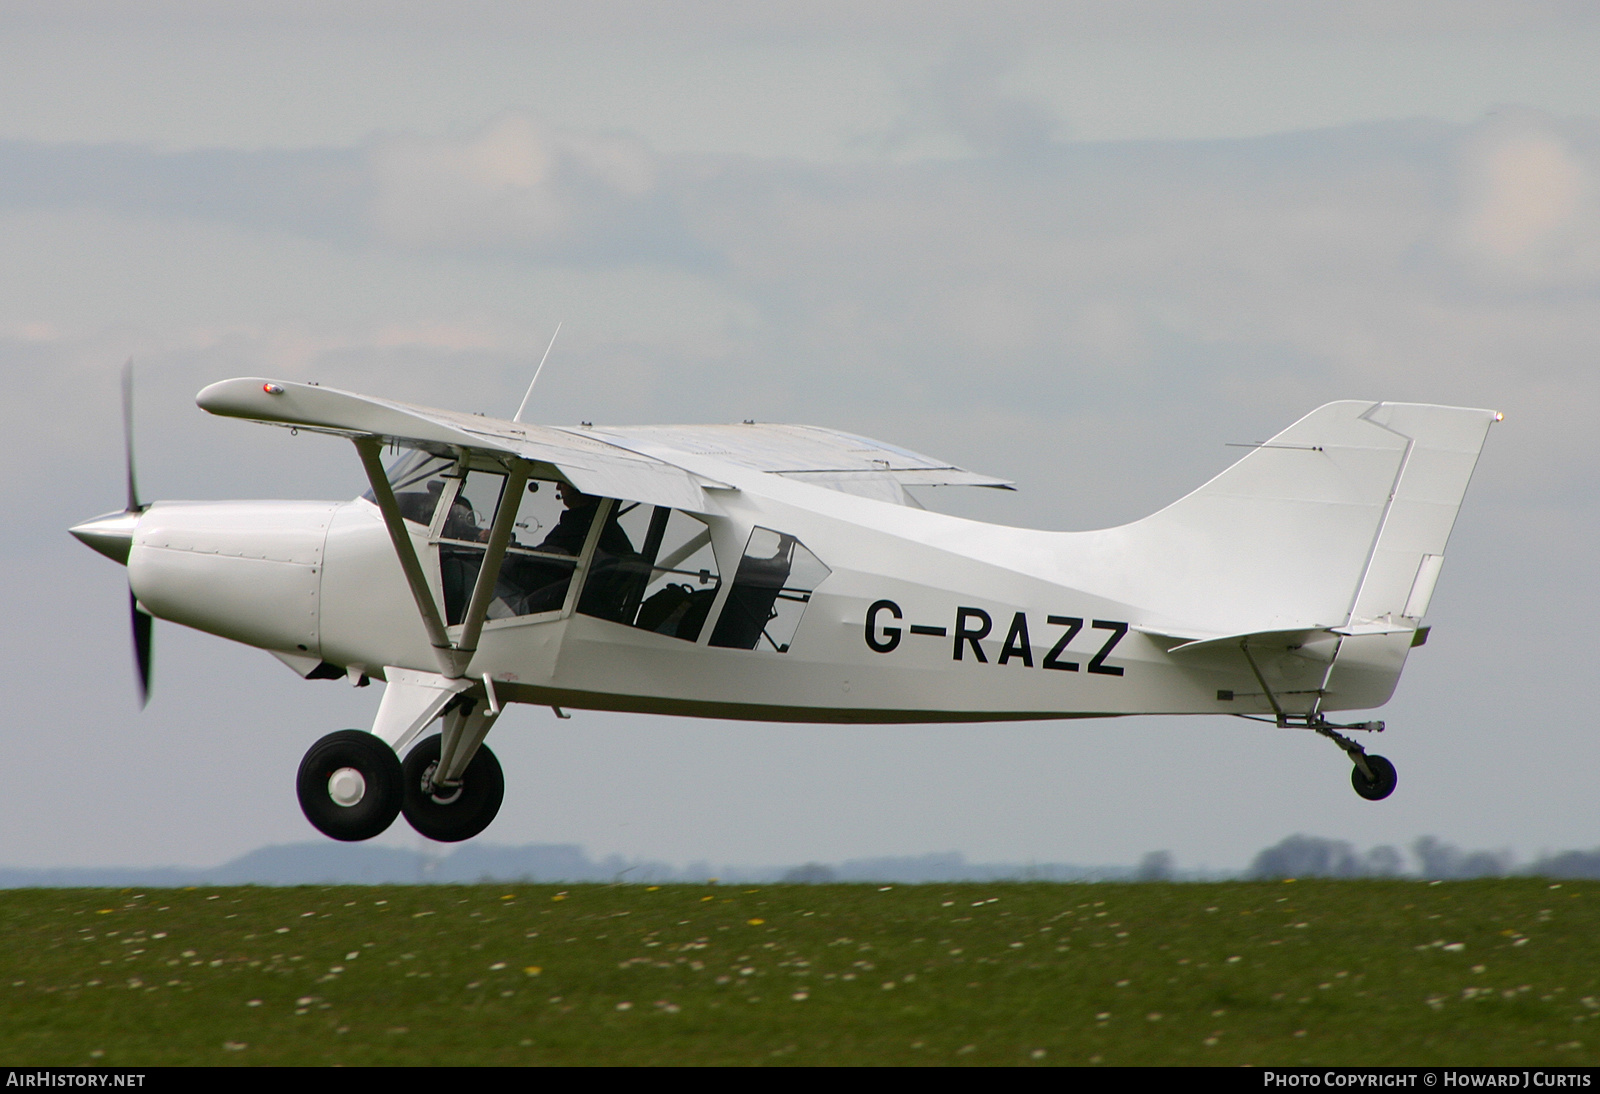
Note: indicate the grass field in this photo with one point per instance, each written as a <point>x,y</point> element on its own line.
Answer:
<point>1324,972</point>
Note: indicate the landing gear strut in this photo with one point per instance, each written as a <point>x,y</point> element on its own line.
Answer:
<point>349,785</point>
<point>1373,776</point>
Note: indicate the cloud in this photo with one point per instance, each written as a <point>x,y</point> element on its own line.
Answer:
<point>969,97</point>
<point>1530,203</point>
<point>516,183</point>
<point>1116,286</point>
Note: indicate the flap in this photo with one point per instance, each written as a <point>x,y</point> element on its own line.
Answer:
<point>800,450</point>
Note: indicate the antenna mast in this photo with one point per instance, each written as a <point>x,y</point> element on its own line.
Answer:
<point>518,416</point>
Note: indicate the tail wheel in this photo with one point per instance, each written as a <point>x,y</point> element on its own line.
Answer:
<point>463,811</point>
<point>1382,783</point>
<point>349,785</point>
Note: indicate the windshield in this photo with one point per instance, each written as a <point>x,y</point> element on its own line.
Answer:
<point>417,479</point>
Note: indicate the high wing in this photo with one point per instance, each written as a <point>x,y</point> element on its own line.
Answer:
<point>639,463</point>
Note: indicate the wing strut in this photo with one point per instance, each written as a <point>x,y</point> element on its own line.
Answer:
<point>454,657</point>
<point>450,660</point>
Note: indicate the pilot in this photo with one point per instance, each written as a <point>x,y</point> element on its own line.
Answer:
<point>462,522</point>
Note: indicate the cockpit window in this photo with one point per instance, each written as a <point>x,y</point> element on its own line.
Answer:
<point>551,527</point>
<point>776,578</point>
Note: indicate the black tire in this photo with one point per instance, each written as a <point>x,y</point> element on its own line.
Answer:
<point>1381,785</point>
<point>468,812</point>
<point>379,800</point>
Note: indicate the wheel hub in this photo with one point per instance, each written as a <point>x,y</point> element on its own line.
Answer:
<point>443,795</point>
<point>347,787</point>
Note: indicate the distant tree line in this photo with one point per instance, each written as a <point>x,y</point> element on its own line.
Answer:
<point>1312,856</point>
<point>324,862</point>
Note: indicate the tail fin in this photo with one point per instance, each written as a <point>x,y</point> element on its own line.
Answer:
<point>1338,521</point>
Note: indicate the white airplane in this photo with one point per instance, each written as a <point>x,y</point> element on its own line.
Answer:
<point>783,573</point>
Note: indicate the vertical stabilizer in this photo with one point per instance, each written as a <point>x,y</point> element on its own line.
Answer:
<point>1338,520</point>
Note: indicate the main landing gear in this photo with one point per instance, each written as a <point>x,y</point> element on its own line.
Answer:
<point>451,813</point>
<point>352,785</point>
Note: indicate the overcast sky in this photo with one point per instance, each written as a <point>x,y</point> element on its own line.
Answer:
<point>1082,246</point>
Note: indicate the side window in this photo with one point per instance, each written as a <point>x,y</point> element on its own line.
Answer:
<point>776,578</point>
<point>654,569</point>
<point>552,526</point>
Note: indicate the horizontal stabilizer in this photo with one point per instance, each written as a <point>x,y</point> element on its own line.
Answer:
<point>1257,640</point>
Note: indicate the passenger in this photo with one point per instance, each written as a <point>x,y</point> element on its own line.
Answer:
<point>530,585</point>
<point>573,528</point>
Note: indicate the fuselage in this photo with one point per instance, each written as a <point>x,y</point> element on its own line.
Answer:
<point>916,617</point>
